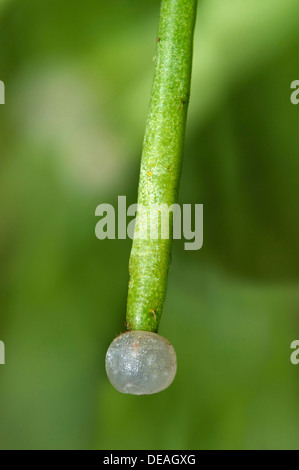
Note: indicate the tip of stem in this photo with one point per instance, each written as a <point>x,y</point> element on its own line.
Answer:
<point>141,363</point>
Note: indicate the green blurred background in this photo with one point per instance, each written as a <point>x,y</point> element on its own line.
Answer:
<point>78,79</point>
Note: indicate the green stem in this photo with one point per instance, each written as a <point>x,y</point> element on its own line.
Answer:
<point>161,162</point>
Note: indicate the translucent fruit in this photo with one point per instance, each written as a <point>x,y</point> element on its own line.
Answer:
<point>140,363</point>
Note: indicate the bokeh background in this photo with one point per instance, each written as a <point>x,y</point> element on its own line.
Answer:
<point>78,79</point>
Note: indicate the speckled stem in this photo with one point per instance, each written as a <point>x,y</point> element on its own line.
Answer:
<point>161,162</point>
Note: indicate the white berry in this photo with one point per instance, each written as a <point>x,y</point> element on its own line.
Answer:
<point>141,363</point>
